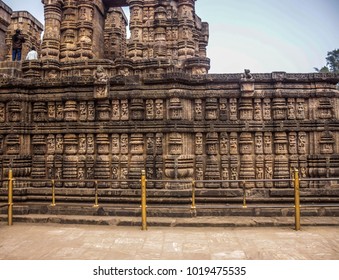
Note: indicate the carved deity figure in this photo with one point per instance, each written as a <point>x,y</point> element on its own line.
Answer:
<point>124,110</point>
<point>225,174</point>
<point>302,143</point>
<point>198,144</point>
<point>292,139</point>
<point>234,173</point>
<point>233,144</point>
<point>200,174</point>
<point>100,75</point>
<point>85,36</point>
<point>233,109</point>
<point>258,143</point>
<point>290,110</point>
<point>257,110</point>
<point>268,172</point>
<point>223,143</point>
<point>124,143</point>
<point>267,144</point>
<point>300,110</point>
<point>159,114</point>
<point>267,109</point>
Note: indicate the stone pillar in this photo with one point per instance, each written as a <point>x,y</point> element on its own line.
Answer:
<point>70,159</point>
<point>137,159</point>
<point>115,34</point>
<point>6,13</point>
<point>186,24</point>
<point>135,46</point>
<point>247,170</point>
<point>160,45</point>
<point>102,166</point>
<point>212,160</point>
<point>68,31</point>
<point>38,159</point>
<point>281,168</point>
<point>51,40</point>
<point>85,30</point>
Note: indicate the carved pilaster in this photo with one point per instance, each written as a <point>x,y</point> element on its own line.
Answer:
<point>224,143</point>
<point>38,159</point>
<point>211,110</point>
<point>223,109</point>
<point>198,110</point>
<point>137,109</point>
<point>212,160</point>
<point>247,170</point>
<point>279,109</point>
<point>39,112</point>
<point>246,109</point>
<point>175,109</point>
<point>281,167</point>
<point>68,31</point>
<point>137,159</point>
<point>70,160</point>
<point>51,42</point>
<point>102,165</point>
<point>71,111</point>
<point>233,109</point>
<point>103,110</point>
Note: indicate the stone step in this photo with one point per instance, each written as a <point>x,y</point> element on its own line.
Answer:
<point>165,210</point>
<point>115,196</point>
<point>207,221</point>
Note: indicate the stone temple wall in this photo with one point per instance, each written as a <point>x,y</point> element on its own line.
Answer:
<point>98,106</point>
<point>176,127</point>
<point>5,20</point>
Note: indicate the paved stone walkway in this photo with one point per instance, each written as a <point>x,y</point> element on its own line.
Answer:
<point>93,242</point>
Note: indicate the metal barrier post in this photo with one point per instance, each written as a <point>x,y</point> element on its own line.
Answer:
<point>193,207</point>
<point>297,199</point>
<point>96,194</point>
<point>10,197</point>
<point>53,193</point>
<point>143,201</point>
<point>244,205</point>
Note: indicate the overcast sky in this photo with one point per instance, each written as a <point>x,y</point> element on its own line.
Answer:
<point>262,35</point>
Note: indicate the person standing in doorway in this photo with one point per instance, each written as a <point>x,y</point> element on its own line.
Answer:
<point>32,54</point>
<point>17,41</point>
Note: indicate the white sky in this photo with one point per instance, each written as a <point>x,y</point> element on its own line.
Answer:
<point>262,35</point>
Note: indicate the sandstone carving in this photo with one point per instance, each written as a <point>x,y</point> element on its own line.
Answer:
<point>99,105</point>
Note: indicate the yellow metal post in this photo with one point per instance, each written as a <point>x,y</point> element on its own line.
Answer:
<point>96,195</point>
<point>10,197</point>
<point>53,193</point>
<point>244,204</point>
<point>297,199</point>
<point>193,206</point>
<point>143,201</point>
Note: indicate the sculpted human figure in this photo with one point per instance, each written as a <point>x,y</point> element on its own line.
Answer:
<point>100,75</point>
<point>85,36</point>
<point>290,110</point>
